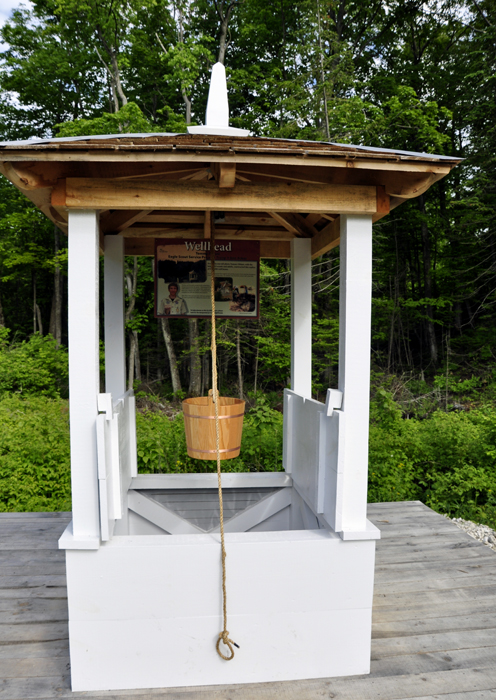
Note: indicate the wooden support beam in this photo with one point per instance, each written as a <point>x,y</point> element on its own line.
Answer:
<point>382,201</point>
<point>59,194</point>
<point>120,220</point>
<point>279,250</point>
<point>24,178</point>
<point>411,186</point>
<point>207,225</point>
<point>244,233</point>
<point>99,193</point>
<point>313,219</point>
<point>198,217</point>
<point>224,173</point>
<point>326,239</point>
<point>295,223</point>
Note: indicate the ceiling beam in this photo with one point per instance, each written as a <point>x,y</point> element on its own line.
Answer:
<point>268,249</point>
<point>246,233</point>
<point>295,223</point>
<point>99,193</point>
<point>326,239</point>
<point>120,220</point>
<point>224,173</point>
<point>207,225</point>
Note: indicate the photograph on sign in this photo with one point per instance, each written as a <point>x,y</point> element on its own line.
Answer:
<point>183,282</point>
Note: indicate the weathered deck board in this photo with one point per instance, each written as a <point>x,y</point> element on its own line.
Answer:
<point>434,627</point>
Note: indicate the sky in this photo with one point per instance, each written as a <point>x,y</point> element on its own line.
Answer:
<point>6,6</point>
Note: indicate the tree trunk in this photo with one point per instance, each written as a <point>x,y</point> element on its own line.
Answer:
<point>222,42</point>
<point>132,350</point>
<point>137,361</point>
<point>240,363</point>
<point>194,359</point>
<point>184,94</point>
<point>174,369</point>
<point>2,317</point>
<point>426,249</point>
<point>55,327</point>
<point>38,317</point>
<point>132,282</point>
<point>256,372</point>
<point>322,76</point>
<point>224,23</point>
<point>33,277</point>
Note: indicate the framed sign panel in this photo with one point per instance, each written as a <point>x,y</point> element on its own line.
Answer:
<point>182,278</point>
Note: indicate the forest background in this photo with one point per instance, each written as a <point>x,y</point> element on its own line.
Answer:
<point>402,74</point>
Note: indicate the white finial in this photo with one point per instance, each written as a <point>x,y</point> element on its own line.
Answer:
<point>218,104</point>
<point>217,116</point>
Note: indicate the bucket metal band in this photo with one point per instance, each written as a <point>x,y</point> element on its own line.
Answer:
<point>193,415</point>
<point>210,452</point>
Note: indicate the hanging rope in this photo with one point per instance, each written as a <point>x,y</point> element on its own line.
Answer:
<point>224,635</point>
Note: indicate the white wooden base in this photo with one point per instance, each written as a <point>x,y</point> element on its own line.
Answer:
<point>145,611</point>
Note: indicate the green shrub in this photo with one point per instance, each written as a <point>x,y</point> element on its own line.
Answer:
<point>34,454</point>
<point>448,461</point>
<point>162,443</point>
<point>34,367</point>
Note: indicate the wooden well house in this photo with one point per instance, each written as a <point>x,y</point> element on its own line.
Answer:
<point>142,551</point>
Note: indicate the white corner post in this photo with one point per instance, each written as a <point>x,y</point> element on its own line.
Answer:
<point>84,370</point>
<point>115,351</point>
<point>355,299</point>
<point>301,316</point>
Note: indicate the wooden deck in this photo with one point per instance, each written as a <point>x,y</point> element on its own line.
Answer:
<point>434,633</point>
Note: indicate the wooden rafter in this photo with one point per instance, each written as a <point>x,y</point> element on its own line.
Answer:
<point>224,173</point>
<point>253,233</point>
<point>207,224</point>
<point>295,223</point>
<point>120,220</point>
<point>326,239</point>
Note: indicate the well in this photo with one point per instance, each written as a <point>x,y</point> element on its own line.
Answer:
<point>143,557</point>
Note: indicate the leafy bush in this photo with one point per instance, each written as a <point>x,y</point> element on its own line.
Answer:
<point>34,454</point>
<point>448,461</point>
<point>162,443</point>
<point>34,367</point>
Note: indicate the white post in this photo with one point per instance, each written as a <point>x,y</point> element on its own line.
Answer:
<point>115,351</point>
<point>84,370</point>
<point>301,316</point>
<point>355,298</point>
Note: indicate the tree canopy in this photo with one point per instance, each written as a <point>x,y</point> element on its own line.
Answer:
<point>403,74</point>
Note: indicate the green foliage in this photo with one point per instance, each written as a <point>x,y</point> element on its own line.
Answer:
<point>162,443</point>
<point>447,461</point>
<point>34,367</point>
<point>34,454</point>
<point>129,119</point>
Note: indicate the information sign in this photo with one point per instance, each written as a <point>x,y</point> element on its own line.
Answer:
<point>182,278</point>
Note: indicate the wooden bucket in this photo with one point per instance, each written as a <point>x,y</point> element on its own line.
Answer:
<point>199,425</point>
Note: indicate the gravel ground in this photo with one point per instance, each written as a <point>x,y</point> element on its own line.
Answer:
<point>483,533</point>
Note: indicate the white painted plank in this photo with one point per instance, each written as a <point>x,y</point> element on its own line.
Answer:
<point>84,368</point>
<point>133,444</point>
<point>115,351</point>
<point>255,515</point>
<point>159,515</point>
<point>301,316</point>
<point>205,481</point>
<point>354,362</point>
